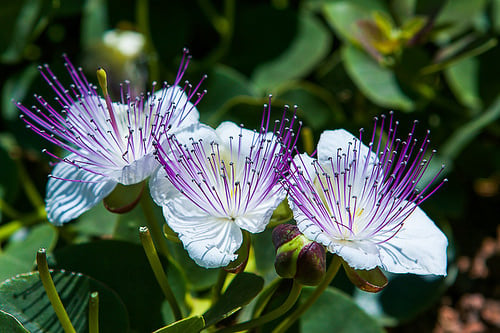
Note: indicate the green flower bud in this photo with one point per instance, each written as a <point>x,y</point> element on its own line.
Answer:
<point>298,257</point>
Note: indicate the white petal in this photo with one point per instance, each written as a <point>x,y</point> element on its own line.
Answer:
<point>229,134</point>
<point>331,141</point>
<point>136,171</point>
<point>359,255</point>
<point>196,132</point>
<point>210,241</point>
<point>161,188</point>
<point>66,200</point>
<point>256,220</point>
<point>418,248</point>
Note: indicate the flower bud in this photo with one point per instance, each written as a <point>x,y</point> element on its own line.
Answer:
<point>298,257</point>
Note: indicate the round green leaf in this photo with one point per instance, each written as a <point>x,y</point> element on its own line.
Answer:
<point>377,83</point>
<point>24,297</point>
<point>335,311</point>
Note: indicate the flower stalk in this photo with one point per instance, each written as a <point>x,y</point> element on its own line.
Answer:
<point>161,277</point>
<point>276,313</point>
<point>153,226</point>
<point>50,289</point>
<point>94,312</point>
<point>330,274</point>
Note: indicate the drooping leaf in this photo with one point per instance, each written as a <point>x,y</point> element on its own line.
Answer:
<point>24,297</point>
<point>378,83</point>
<point>240,292</point>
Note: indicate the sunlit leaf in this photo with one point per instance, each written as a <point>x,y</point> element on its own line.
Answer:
<point>19,255</point>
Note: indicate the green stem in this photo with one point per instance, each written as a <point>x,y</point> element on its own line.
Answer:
<point>7,229</point>
<point>224,25</point>
<point>299,311</point>
<point>50,289</point>
<point>154,227</point>
<point>9,211</point>
<point>465,134</point>
<point>276,313</point>
<point>30,188</point>
<point>94,312</point>
<point>217,289</point>
<point>459,139</point>
<point>161,277</point>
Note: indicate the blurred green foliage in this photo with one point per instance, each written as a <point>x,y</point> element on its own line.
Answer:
<point>341,62</point>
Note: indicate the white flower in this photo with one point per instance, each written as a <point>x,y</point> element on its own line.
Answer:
<point>216,182</point>
<point>109,143</point>
<point>362,203</point>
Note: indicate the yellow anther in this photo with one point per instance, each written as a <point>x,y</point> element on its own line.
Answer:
<point>103,82</point>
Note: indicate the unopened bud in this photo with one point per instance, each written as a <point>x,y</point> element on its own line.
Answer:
<point>298,257</point>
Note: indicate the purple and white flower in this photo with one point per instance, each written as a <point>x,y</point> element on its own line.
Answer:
<point>216,182</point>
<point>109,143</point>
<point>361,202</point>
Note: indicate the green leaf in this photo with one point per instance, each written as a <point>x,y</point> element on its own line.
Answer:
<point>123,266</point>
<point>463,78</point>
<point>310,45</point>
<point>335,311</point>
<point>343,15</point>
<point>24,297</point>
<point>224,85</point>
<point>240,292</point>
<point>10,324</point>
<point>188,325</point>
<point>19,255</point>
<point>378,83</point>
